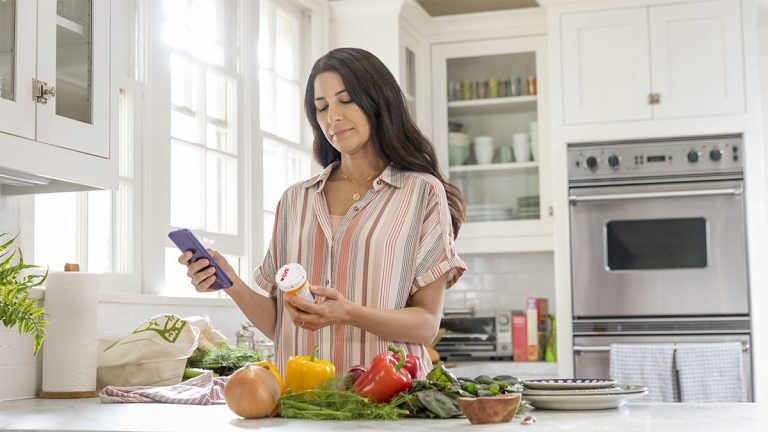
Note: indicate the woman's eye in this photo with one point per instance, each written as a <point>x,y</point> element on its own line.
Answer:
<point>346,101</point>
<point>321,109</point>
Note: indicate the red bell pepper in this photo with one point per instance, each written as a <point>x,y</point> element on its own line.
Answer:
<point>385,378</point>
<point>412,364</point>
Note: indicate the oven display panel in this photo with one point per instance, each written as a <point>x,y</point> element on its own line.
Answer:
<point>656,244</point>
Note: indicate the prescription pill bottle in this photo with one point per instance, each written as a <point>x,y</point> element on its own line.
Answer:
<point>292,280</point>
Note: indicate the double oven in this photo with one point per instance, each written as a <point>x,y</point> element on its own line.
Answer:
<point>658,246</point>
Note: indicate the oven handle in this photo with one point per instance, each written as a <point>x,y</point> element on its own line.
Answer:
<point>607,348</point>
<point>648,195</point>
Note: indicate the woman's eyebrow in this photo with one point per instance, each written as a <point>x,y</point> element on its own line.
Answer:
<point>335,94</point>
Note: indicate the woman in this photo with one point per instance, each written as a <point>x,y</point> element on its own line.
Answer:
<point>375,230</point>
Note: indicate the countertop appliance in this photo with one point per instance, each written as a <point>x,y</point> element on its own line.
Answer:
<point>658,245</point>
<point>476,335</point>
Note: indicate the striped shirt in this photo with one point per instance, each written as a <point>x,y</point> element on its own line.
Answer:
<point>395,240</point>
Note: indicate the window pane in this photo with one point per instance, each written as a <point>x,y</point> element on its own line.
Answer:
<point>275,180</point>
<point>265,44</point>
<point>55,230</point>
<point>221,194</point>
<point>7,49</point>
<point>184,83</point>
<point>298,166</point>
<point>269,224</point>
<point>100,240</point>
<point>267,101</point>
<point>184,126</point>
<point>287,110</point>
<point>286,45</point>
<point>187,187</point>
<point>216,96</point>
<point>219,138</point>
<point>124,227</point>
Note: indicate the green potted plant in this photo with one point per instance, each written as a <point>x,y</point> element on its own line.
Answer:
<point>16,308</point>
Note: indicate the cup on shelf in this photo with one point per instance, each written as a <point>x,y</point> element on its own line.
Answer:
<point>515,86</point>
<point>521,147</point>
<point>484,150</point>
<point>506,154</point>
<point>458,148</point>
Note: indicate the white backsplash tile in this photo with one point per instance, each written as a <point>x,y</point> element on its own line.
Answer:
<point>504,281</point>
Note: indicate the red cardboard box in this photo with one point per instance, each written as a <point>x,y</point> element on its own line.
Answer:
<point>519,337</point>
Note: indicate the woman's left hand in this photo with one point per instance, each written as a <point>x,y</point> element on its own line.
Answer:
<point>314,316</point>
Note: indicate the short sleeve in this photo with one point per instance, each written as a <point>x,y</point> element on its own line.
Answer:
<point>436,252</point>
<point>264,275</point>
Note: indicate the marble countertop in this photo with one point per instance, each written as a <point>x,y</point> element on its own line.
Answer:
<point>92,415</point>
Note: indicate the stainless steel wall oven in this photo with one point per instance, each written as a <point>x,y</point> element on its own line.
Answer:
<point>658,244</point>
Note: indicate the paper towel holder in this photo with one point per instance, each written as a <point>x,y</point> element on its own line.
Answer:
<point>69,267</point>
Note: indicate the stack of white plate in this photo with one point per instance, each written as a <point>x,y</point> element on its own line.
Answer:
<point>580,393</point>
<point>488,212</point>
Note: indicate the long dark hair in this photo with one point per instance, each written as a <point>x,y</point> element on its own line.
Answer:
<point>394,135</point>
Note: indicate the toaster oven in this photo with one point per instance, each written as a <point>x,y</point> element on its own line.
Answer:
<point>483,334</point>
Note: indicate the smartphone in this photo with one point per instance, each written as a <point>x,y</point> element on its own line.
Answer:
<point>186,241</point>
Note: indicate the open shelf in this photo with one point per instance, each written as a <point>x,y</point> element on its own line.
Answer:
<point>492,105</point>
<point>493,167</point>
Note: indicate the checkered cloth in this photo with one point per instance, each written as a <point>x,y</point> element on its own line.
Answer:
<point>651,365</point>
<point>710,372</point>
<point>200,390</point>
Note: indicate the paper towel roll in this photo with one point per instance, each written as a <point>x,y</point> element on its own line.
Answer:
<point>70,346</point>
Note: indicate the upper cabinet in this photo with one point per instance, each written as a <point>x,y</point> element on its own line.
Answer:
<point>657,62</point>
<point>55,92</point>
<point>489,99</point>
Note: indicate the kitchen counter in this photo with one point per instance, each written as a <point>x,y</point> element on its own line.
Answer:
<point>92,415</point>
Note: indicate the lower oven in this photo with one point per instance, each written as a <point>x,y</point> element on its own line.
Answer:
<point>592,353</point>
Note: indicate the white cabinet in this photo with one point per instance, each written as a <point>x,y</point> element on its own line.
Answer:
<point>657,62</point>
<point>490,131</point>
<point>55,91</point>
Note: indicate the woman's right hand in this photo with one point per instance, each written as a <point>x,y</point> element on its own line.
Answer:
<point>200,276</point>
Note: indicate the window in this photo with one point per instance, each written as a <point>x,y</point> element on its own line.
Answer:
<point>205,185</point>
<point>283,60</point>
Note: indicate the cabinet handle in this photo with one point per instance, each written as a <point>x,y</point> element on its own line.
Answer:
<point>42,92</point>
<point>654,98</point>
<point>551,211</point>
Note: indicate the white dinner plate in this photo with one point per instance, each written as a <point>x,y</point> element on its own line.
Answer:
<point>569,383</point>
<point>618,389</point>
<point>582,402</point>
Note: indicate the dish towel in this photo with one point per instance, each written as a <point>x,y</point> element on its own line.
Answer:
<point>200,390</point>
<point>651,365</point>
<point>710,372</point>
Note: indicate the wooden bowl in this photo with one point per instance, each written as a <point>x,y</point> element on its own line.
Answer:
<point>490,409</point>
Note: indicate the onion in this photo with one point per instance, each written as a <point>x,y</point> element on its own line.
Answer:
<point>252,392</point>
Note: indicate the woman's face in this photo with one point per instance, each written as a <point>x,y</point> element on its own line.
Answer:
<point>342,121</point>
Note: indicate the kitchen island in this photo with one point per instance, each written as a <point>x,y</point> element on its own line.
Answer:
<point>92,415</point>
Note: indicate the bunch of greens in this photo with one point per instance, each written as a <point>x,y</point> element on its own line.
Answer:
<point>16,308</point>
<point>223,360</point>
<point>332,402</point>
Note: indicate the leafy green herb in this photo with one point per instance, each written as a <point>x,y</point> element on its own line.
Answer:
<point>331,402</point>
<point>224,360</point>
<point>16,308</point>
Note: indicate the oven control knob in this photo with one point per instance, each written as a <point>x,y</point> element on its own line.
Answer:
<point>693,156</point>
<point>716,154</point>
<point>592,162</point>
<point>503,320</point>
<point>613,161</point>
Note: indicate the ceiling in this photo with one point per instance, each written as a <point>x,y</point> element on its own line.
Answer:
<point>452,7</point>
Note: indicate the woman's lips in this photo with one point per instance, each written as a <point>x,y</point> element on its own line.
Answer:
<point>341,133</point>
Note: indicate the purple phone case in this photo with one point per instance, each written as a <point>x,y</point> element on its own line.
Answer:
<point>186,241</point>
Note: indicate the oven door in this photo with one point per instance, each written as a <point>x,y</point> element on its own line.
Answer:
<point>659,250</point>
<point>591,354</point>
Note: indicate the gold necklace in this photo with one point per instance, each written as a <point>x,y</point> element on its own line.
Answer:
<point>357,195</point>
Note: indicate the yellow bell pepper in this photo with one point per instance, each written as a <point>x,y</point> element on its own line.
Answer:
<point>268,365</point>
<point>307,372</point>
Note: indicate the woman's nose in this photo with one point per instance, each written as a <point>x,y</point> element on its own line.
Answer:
<point>334,114</point>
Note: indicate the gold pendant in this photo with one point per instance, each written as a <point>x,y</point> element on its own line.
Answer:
<point>356,196</point>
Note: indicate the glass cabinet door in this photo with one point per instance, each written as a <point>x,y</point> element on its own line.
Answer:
<point>73,61</point>
<point>74,69</point>
<point>7,49</point>
<point>17,67</point>
<point>493,135</point>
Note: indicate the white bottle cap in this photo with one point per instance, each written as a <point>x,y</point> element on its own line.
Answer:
<point>290,277</point>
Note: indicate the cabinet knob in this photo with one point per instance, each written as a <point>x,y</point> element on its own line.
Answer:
<point>654,98</point>
<point>551,211</point>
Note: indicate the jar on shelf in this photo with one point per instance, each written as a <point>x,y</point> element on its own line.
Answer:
<point>531,85</point>
<point>493,87</point>
<point>482,89</point>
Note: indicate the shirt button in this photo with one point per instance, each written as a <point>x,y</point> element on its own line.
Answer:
<point>355,209</point>
<point>378,182</point>
<point>327,282</point>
